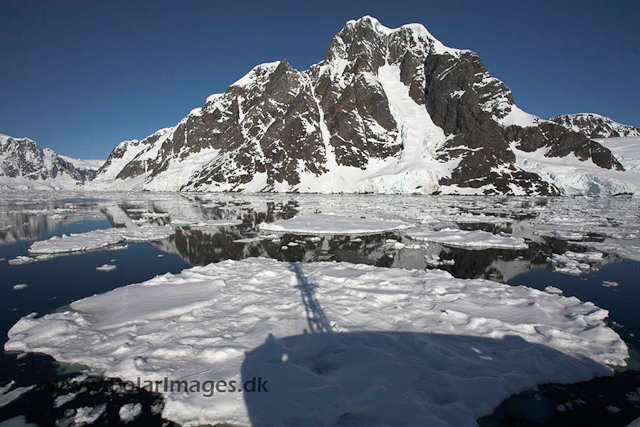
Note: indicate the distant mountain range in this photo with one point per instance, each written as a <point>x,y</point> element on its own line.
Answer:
<point>24,164</point>
<point>386,111</point>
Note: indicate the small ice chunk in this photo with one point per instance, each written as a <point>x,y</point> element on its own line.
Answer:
<point>106,268</point>
<point>130,412</point>
<point>88,415</point>
<point>553,290</point>
<point>64,399</point>
<point>21,260</point>
<point>609,284</point>
<point>19,286</point>
<point>613,409</point>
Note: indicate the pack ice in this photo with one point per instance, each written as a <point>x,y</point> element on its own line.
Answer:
<point>334,341</point>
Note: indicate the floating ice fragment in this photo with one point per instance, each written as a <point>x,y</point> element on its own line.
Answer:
<point>333,224</point>
<point>129,412</point>
<point>98,239</point>
<point>470,239</point>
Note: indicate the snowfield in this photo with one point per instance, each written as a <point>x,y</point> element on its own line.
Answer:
<point>402,347</point>
<point>332,224</point>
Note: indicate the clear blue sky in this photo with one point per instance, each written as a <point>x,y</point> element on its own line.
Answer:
<point>80,76</point>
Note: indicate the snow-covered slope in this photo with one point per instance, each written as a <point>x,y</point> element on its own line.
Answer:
<point>595,125</point>
<point>23,164</point>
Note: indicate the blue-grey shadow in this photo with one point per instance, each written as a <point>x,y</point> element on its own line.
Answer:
<point>316,318</point>
<point>397,378</point>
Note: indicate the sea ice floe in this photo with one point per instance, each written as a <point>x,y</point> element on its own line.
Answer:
<point>618,248</point>
<point>330,339</point>
<point>333,224</point>
<point>98,239</point>
<point>469,239</point>
<point>7,395</point>
<point>561,234</point>
<point>20,260</point>
<point>575,262</point>
<point>63,399</point>
<point>204,222</point>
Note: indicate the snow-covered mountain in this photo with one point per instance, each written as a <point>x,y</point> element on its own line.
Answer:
<point>386,111</point>
<point>370,117</point>
<point>595,125</point>
<point>24,164</point>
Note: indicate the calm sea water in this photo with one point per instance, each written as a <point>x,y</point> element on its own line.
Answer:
<point>55,283</point>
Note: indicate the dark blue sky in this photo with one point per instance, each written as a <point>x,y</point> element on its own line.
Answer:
<point>80,76</point>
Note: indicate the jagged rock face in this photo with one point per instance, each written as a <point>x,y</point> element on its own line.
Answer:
<point>21,158</point>
<point>470,105</point>
<point>385,111</point>
<point>595,126</point>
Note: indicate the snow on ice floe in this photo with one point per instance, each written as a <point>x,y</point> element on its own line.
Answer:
<point>333,224</point>
<point>469,239</point>
<point>342,337</point>
<point>98,239</point>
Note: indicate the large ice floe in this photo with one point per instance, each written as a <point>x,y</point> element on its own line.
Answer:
<point>333,224</point>
<point>475,239</point>
<point>335,342</point>
<point>98,239</point>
